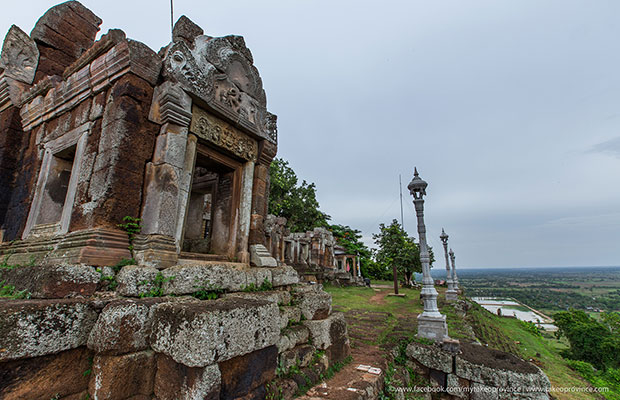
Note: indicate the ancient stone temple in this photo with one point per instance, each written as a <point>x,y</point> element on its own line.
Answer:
<point>135,250</point>
<point>93,132</point>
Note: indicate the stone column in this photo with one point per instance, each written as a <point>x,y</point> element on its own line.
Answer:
<point>454,278</point>
<point>431,323</point>
<point>245,212</point>
<point>168,178</point>
<point>451,294</point>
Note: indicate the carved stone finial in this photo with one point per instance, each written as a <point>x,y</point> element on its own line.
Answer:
<point>185,29</point>
<point>20,56</point>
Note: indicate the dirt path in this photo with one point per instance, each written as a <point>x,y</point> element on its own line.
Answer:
<point>379,298</point>
<point>372,335</point>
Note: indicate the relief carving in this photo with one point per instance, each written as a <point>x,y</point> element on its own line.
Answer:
<point>20,56</point>
<point>223,135</point>
<point>220,72</point>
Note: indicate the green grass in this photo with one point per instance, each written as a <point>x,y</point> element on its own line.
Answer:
<point>358,298</point>
<point>506,334</point>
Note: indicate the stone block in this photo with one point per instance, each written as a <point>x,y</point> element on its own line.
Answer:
<point>175,381</point>
<point>284,276</point>
<point>483,392</point>
<point>301,356</point>
<point>260,256</point>
<point>198,334</point>
<point>124,326</point>
<point>257,276</point>
<point>244,374</point>
<point>313,301</point>
<point>44,377</point>
<point>458,387</point>
<point>340,347</point>
<point>157,251</point>
<point>186,30</point>
<point>496,368</point>
<point>321,330</point>
<point>121,377</point>
<point>53,281</point>
<point>225,276</point>
<point>291,337</point>
<point>430,356</point>
<point>289,314</point>
<point>32,328</point>
<point>133,280</point>
<point>278,297</point>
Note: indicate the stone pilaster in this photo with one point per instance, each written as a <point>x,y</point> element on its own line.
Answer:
<point>168,175</point>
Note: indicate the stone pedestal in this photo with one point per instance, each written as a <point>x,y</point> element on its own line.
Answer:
<point>451,295</point>
<point>432,327</point>
<point>157,251</point>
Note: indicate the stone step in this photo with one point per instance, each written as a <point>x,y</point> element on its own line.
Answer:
<point>201,257</point>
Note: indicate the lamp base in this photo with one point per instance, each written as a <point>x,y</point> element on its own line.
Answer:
<point>452,295</point>
<point>432,327</point>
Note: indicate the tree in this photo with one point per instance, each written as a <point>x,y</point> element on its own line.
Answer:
<point>396,248</point>
<point>297,203</point>
<point>590,341</point>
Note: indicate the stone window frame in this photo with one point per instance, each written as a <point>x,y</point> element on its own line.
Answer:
<point>76,137</point>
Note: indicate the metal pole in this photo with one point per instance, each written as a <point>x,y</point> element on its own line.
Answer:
<point>400,188</point>
<point>171,18</point>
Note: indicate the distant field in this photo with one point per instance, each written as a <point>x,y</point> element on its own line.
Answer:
<point>548,289</point>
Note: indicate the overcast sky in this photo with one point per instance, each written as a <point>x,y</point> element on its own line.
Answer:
<point>509,109</point>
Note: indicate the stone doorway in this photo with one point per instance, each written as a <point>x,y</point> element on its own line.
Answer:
<point>213,205</point>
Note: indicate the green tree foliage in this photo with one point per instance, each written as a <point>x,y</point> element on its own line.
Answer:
<point>597,343</point>
<point>396,248</point>
<point>297,203</point>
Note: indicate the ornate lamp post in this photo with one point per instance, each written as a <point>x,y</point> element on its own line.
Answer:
<point>451,294</point>
<point>455,280</point>
<point>431,323</point>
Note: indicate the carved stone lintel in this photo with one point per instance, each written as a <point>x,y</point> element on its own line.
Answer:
<point>223,135</point>
<point>171,105</point>
<point>20,56</point>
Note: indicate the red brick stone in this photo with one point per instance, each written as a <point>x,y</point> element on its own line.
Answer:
<point>242,375</point>
<point>121,377</point>
<point>176,381</point>
<point>44,377</point>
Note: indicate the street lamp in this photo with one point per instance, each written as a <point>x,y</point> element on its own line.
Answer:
<point>431,323</point>
<point>455,280</point>
<point>451,294</point>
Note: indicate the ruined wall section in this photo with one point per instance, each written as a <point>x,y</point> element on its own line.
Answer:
<point>13,147</point>
<point>90,100</point>
<point>165,338</point>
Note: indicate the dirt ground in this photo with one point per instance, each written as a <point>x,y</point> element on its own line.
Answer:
<point>373,334</point>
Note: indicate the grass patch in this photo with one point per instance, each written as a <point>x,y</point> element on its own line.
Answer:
<point>506,334</point>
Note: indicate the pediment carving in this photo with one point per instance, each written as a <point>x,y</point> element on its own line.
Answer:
<point>20,56</point>
<point>220,72</point>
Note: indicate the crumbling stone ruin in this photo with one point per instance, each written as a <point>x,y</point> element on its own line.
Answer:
<point>473,371</point>
<point>133,213</point>
<point>314,254</point>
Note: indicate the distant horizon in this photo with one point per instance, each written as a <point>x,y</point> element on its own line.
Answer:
<point>532,267</point>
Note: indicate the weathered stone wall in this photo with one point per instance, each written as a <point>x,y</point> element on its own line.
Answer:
<point>77,338</point>
<point>473,371</point>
